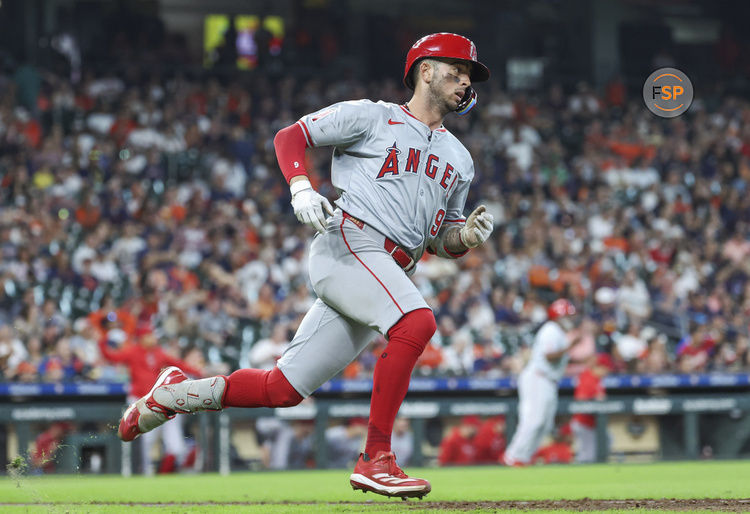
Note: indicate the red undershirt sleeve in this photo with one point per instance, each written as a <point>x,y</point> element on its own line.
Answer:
<point>290,144</point>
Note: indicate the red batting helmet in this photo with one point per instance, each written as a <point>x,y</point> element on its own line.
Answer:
<point>449,46</point>
<point>560,308</point>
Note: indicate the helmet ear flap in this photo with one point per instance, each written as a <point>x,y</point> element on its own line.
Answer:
<point>412,74</point>
<point>467,102</point>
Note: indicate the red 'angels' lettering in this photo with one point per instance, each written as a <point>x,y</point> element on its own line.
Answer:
<point>429,169</point>
<point>390,166</point>
<point>439,217</point>
<point>391,162</point>
<point>412,163</point>
<point>446,176</point>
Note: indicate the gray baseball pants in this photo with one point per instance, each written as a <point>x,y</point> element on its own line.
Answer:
<point>361,292</point>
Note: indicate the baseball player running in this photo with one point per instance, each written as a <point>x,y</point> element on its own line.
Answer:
<point>537,384</point>
<point>403,180</point>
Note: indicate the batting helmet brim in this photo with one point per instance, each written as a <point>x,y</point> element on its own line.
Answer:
<point>479,72</point>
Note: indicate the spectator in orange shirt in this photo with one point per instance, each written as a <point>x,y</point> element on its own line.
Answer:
<point>490,442</point>
<point>105,320</point>
<point>430,359</point>
<point>88,213</point>
<point>122,127</point>
<point>457,448</point>
<point>589,387</point>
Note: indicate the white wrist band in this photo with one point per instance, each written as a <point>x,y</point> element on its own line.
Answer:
<point>299,185</point>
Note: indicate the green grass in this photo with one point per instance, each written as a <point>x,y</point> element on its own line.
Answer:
<point>316,489</point>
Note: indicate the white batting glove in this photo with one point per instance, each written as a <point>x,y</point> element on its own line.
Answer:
<point>478,227</point>
<point>309,204</point>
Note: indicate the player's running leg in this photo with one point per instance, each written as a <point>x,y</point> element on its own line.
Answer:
<point>147,445</point>
<point>376,468</point>
<point>585,438</point>
<point>530,421</point>
<point>323,346</point>
<point>536,412</point>
<point>352,272</point>
<point>175,447</point>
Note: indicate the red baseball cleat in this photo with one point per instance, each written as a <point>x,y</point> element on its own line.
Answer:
<point>382,475</point>
<point>146,414</point>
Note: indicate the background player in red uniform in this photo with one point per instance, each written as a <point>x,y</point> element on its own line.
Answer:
<point>490,441</point>
<point>560,450</point>
<point>457,448</point>
<point>145,359</point>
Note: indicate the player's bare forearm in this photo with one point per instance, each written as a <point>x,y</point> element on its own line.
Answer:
<point>557,355</point>
<point>297,179</point>
<point>452,241</point>
<point>554,357</point>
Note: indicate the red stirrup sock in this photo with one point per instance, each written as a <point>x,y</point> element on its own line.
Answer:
<point>407,339</point>
<point>258,388</point>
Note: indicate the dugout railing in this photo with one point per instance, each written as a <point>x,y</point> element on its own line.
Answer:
<point>26,406</point>
<point>419,410</point>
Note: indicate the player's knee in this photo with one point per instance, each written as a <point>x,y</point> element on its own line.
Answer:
<point>416,327</point>
<point>424,320</point>
<point>280,391</point>
<point>286,399</point>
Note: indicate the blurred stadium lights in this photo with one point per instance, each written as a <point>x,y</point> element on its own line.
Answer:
<point>577,40</point>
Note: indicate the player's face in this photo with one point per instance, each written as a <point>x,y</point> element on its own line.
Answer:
<point>149,340</point>
<point>570,322</point>
<point>449,82</point>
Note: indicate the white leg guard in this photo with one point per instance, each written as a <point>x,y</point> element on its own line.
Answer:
<point>192,395</point>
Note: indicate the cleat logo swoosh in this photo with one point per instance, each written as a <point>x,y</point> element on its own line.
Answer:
<point>384,477</point>
<point>391,122</point>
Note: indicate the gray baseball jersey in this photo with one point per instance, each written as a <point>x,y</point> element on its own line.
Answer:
<point>392,171</point>
<point>404,182</point>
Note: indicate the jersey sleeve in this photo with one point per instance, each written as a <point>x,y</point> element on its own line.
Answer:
<point>552,339</point>
<point>121,356</point>
<point>340,124</point>
<point>454,213</point>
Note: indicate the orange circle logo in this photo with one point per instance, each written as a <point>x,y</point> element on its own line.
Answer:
<point>668,92</point>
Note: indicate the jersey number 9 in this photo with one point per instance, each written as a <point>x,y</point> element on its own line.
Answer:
<point>438,221</point>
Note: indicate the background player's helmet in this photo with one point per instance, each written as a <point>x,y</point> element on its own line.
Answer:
<point>449,46</point>
<point>560,308</point>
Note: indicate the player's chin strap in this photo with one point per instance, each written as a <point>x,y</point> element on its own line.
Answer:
<point>467,102</point>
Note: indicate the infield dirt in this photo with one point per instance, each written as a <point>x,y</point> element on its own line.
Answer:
<point>584,504</point>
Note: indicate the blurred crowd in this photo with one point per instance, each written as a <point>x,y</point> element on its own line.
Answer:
<point>153,206</point>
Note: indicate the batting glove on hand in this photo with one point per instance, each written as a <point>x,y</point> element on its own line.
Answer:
<point>308,205</point>
<point>477,229</point>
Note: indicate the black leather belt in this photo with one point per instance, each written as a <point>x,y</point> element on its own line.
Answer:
<point>399,255</point>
